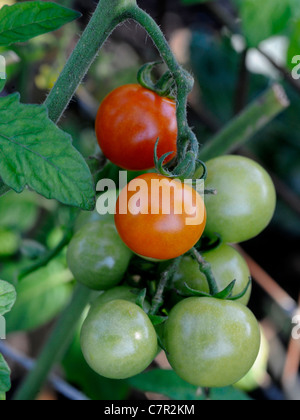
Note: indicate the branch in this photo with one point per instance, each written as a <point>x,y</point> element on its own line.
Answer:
<point>163,283</point>
<point>256,116</point>
<point>184,83</point>
<point>106,17</point>
<point>206,269</point>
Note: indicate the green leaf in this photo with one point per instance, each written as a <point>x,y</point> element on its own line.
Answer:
<point>4,378</point>
<point>294,46</point>
<point>23,21</point>
<point>7,297</point>
<point>36,153</point>
<point>207,52</point>
<point>157,320</point>
<point>168,383</point>
<point>228,394</point>
<point>263,19</point>
<point>3,188</point>
<point>40,297</point>
<point>19,211</point>
<point>2,84</point>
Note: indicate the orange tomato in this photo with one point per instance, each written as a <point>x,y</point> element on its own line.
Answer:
<point>160,220</point>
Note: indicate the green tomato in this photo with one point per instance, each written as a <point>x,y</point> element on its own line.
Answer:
<point>245,200</point>
<point>118,340</point>
<point>210,342</point>
<point>97,257</point>
<point>117,293</point>
<point>257,374</point>
<point>227,265</point>
<point>9,243</point>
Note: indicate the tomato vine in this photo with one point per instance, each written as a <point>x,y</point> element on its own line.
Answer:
<point>107,16</point>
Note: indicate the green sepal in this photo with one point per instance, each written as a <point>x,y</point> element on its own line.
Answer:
<point>242,294</point>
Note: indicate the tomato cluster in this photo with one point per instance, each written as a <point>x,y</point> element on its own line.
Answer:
<point>210,341</point>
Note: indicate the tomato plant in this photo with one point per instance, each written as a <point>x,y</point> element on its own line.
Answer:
<point>155,270</point>
<point>129,122</point>
<point>150,231</point>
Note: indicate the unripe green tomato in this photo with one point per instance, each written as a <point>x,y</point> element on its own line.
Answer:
<point>9,243</point>
<point>211,343</point>
<point>117,293</point>
<point>245,200</point>
<point>227,265</point>
<point>257,374</point>
<point>97,257</point>
<point>118,340</point>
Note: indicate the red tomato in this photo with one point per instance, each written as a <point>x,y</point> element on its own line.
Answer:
<point>154,228</point>
<point>128,124</point>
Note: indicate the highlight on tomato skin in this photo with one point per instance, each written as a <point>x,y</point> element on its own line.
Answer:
<point>152,229</point>
<point>129,122</point>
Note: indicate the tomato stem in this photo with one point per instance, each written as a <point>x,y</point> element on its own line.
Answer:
<point>166,276</point>
<point>206,269</point>
<point>57,344</point>
<point>107,16</point>
<point>184,83</point>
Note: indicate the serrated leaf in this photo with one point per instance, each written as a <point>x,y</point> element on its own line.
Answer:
<point>4,378</point>
<point>23,21</point>
<point>7,297</point>
<point>168,383</point>
<point>36,153</point>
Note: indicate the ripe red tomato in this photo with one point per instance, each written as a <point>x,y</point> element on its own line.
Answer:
<point>128,124</point>
<point>153,229</point>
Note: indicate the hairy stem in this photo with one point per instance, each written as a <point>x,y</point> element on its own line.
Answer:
<point>184,81</point>
<point>49,256</point>
<point>105,18</point>
<point>166,276</point>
